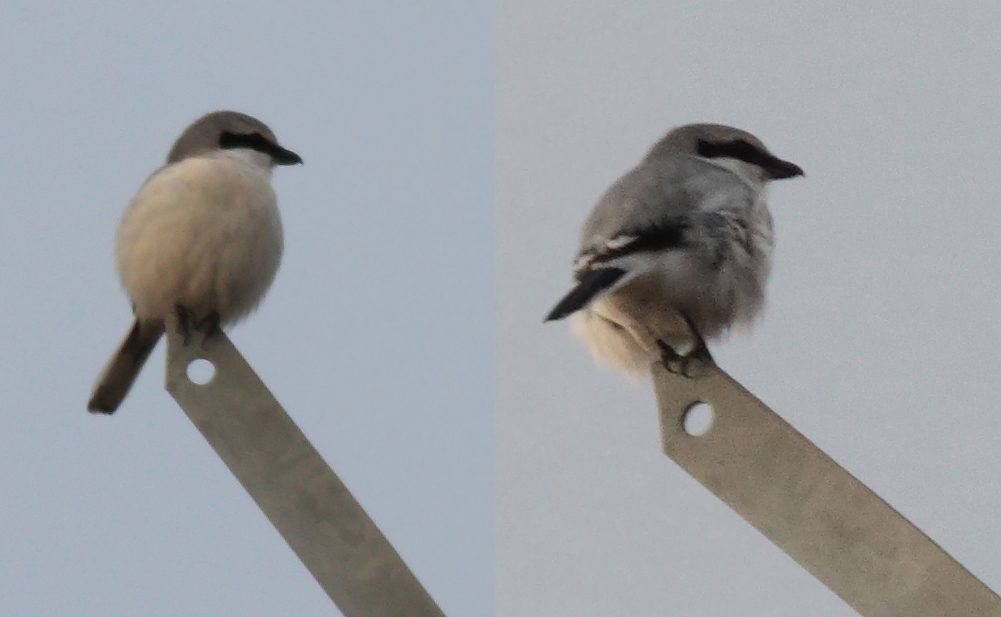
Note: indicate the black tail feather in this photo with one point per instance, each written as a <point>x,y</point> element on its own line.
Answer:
<point>123,367</point>
<point>590,285</point>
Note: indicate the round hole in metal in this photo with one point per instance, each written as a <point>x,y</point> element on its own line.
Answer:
<point>698,419</point>
<point>200,371</point>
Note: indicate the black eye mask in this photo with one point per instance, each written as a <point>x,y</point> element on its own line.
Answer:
<point>256,141</point>
<point>745,151</point>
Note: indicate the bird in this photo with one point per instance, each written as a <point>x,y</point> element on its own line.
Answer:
<point>677,251</point>
<point>202,239</point>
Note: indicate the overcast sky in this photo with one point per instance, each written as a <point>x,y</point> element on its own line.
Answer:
<point>404,334</point>
<point>880,341</point>
<point>377,336</point>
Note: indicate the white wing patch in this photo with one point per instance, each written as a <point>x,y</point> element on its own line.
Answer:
<point>618,242</point>
<point>613,244</point>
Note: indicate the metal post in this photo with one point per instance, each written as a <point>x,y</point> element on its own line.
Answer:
<point>301,496</point>
<point>806,504</point>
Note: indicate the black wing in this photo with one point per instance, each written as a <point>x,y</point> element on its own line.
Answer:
<point>665,236</point>
<point>589,284</point>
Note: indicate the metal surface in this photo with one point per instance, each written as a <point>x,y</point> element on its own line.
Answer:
<point>811,508</point>
<point>299,493</point>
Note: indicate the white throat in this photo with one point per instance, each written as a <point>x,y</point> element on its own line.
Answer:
<point>750,174</point>
<point>253,157</point>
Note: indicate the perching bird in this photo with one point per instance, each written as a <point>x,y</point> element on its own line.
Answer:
<point>202,238</point>
<point>678,250</point>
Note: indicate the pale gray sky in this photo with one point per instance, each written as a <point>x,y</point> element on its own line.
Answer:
<point>881,337</point>
<point>880,341</point>
<point>378,335</point>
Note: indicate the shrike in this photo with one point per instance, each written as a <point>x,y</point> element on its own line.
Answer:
<point>676,251</point>
<point>202,238</point>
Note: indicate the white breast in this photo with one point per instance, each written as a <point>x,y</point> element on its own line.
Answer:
<point>203,233</point>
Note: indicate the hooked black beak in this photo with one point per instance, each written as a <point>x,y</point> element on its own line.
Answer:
<point>281,156</point>
<point>777,169</point>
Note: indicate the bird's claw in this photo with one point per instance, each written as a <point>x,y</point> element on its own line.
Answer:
<point>691,365</point>
<point>189,324</point>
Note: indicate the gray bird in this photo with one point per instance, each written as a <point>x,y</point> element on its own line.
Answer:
<point>202,238</point>
<point>678,250</point>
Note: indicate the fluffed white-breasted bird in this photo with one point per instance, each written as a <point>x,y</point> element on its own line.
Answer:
<point>678,250</point>
<point>202,238</point>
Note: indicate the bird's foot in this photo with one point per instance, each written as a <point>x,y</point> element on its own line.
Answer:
<point>691,365</point>
<point>190,324</point>
<point>185,323</point>
<point>209,325</point>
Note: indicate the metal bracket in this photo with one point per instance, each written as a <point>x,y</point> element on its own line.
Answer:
<point>806,504</point>
<point>301,496</point>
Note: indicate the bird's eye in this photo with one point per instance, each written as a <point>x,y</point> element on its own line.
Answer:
<point>228,140</point>
<point>255,141</point>
<point>707,149</point>
<point>737,149</point>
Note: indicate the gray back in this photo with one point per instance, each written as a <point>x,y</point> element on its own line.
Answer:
<point>659,191</point>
